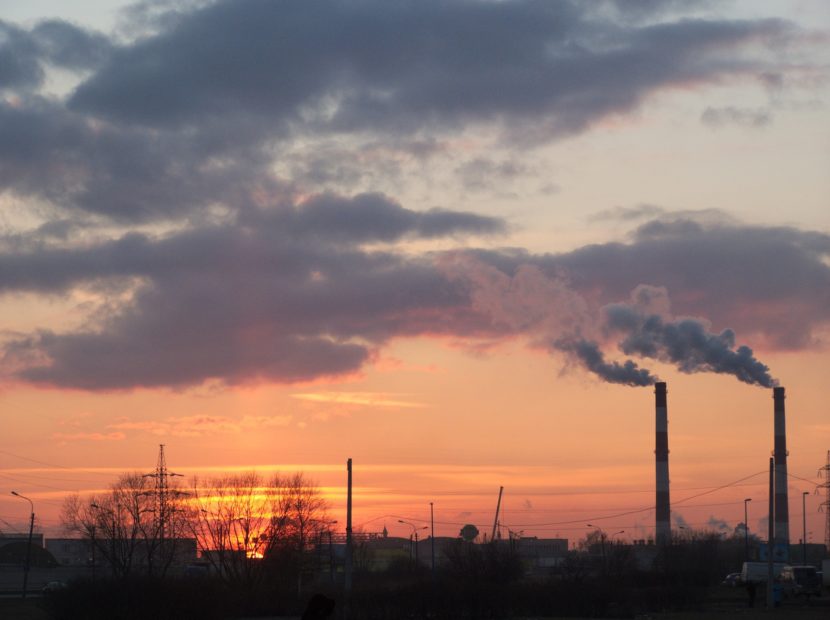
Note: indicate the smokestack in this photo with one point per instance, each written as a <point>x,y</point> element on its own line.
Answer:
<point>661,457</point>
<point>782,512</point>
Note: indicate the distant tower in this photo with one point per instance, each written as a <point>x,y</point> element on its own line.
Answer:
<point>661,458</point>
<point>824,472</point>
<point>782,510</point>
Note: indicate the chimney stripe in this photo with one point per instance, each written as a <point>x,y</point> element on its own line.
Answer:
<point>661,460</point>
<point>782,516</point>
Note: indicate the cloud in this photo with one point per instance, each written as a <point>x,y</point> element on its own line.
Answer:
<point>199,113</point>
<point>772,283</point>
<point>114,436</point>
<point>24,54</point>
<point>557,63</point>
<point>284,295</point>
<point>364,399</point>
<point>279,298</point>
<point>627,214</point>
<point>200,425</point>
<point>164,185</point>
<point>745,117</point>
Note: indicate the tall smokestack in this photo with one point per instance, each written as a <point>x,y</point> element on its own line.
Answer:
<point>661,454</point>
<point>782,512</point>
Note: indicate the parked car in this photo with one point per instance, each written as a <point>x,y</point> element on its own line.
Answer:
<point>53,586</point>
<point>732,580</point>
<point>807,581</point>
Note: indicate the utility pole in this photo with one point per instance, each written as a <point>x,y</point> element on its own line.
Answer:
<point>824,472</point>
<point>804,525</point>
<point>746,529</point>
<point>432,537</point>
<point>347,569</point>
<point>496,520</point>
<point>29,545</point>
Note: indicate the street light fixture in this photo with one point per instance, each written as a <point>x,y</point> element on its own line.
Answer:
<point>746,529</point>
<point>414,534</point>
<point>29,545</point>
<point>804,525</point>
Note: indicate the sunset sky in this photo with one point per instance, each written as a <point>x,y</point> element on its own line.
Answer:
<point>454,241</point>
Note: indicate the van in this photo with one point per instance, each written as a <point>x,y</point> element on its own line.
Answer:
<point>756,572</point>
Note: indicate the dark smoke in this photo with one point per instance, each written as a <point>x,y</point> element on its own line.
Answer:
<point>686,343</point>
<point>590,355</point>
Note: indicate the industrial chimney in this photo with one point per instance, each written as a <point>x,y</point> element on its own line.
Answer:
<point>782,512</point>
<point>661,454</point>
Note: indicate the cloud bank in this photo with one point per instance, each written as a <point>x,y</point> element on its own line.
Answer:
<point>165,184</point>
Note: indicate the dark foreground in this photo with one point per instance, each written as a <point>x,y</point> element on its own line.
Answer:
<point>80,602</point>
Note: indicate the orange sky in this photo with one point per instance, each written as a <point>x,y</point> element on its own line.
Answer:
<point>388,262</point>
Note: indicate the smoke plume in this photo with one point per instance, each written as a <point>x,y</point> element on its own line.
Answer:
<point>686,342</point>
<point>556,317</point>
<point>591,357</point>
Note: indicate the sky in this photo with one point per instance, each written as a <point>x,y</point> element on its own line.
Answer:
<point>456,242</point>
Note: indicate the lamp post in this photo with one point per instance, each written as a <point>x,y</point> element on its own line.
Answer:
<point>432,537</point>
<point>804,525</point>
<point>29,545</point>
<point>601,542</point>
<point>413,533</point>
<point>746,529</point>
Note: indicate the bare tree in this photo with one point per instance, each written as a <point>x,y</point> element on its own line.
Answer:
<point>231,518</point>
<point>123,524</point>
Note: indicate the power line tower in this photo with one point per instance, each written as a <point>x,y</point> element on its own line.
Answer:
<point>824,472</point>
<point>162,493</point>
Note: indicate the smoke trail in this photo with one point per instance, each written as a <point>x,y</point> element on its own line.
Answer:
<point>590,355</point>
<point>556,317</point>
<point>686,342</point>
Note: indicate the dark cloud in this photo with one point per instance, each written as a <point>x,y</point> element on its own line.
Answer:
<point>285,295</point>
<point>272,278</point>
<point>375,217</point>
<point>66,45</point>
<point>121,173</point>
<point>198,112</point>
<point>234,302</point>
<point>771,283</point>
<point>19,66</point>
<point>25,53</point>
<point>407,65</point>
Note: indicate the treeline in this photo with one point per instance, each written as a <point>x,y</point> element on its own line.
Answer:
<point>245,526</point>
<point>474,581</point>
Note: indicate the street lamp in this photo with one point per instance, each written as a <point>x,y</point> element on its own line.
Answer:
<point>432,536</point>
<point>29,545</point>
<point>414,533</point>
<point>601,541</point>
<point>615,533</point>
<point>746,529</point>
<point>804,525</point>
